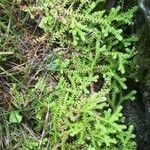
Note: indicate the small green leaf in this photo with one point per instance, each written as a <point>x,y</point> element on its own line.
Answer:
<point>15,117</point>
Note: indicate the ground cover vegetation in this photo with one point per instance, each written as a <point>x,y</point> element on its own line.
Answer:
<point>64,66</point>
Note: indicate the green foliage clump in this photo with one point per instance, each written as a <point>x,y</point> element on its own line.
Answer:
<point>90,58</point>
<point>88,39</point>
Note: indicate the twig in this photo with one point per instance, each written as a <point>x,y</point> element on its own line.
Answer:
<point>30,131</point>
<point>6,53</point>
<point>44,132</point>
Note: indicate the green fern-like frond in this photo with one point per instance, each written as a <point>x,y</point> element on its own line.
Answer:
<point>92,46</point>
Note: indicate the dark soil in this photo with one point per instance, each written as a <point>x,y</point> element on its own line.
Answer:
<point>138,111</point>
<point>137,115</point>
